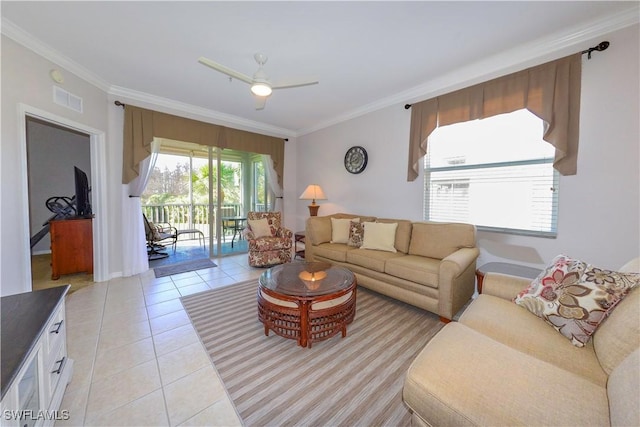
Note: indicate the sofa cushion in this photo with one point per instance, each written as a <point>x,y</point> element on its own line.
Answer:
<point>439,240</point>
<point>333,251</point>
<point>619,335</point>
<point>575,297</point>
<point>415,268</point>
<point>623,390</point>
<point>632,266</point>
<point>403,233</point>
<point>340,229</point>
<point>512,325</point>
<point>379,236</point>
<point>463,377</point>
<point>371,259</point>
<point>319,229</point>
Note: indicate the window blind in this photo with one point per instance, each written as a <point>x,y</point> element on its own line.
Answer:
<point>519,197</point>
<point>495,173</point>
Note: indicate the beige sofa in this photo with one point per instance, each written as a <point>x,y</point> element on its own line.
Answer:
<point>501,365</point>
<point>433,267</point>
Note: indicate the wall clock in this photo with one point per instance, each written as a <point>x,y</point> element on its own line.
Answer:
<point>355,160</point>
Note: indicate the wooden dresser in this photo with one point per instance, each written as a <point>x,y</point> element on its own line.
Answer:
<point>35,366</point>
<point>71,246</point>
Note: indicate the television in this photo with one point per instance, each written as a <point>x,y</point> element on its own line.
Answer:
<point>83,197</point>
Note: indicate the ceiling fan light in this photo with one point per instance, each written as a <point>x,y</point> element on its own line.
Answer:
<point>261,89</point>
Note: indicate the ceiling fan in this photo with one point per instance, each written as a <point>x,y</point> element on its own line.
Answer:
<point>261,86</point>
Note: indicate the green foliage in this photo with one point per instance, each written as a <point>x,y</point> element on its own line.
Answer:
<point>260,184</point>
<point>168,186</point>
<point>172,186</point>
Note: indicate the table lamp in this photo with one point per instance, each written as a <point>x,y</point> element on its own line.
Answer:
<point>312,193</point>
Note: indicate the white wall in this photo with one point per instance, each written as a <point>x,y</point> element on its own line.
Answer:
<point>52,153</point>
<point>26,81</point>
<point>382,188</point>
<point>599,219</point>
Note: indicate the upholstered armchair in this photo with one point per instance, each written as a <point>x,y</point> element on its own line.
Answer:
<point>269,242</point>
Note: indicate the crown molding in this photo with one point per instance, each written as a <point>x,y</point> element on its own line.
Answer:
<point>526,55</point>
<point>529,54</point>
<point>25,39</point>
<point>222,119</point>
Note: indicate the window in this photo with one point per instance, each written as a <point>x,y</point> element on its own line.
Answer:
<point>496,173</point>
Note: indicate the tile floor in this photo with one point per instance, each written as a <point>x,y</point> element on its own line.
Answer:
<point>138,360</point>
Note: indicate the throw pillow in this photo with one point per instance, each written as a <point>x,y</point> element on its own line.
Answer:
<point>340,229</point>
<point>155,231</point>
<point>260,227</point>
<point>575,297</point>
<point>379,236</point>
<point>356,233</point>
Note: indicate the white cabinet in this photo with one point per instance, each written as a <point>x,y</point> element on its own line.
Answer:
<point>28,389</point>
<point>35,366</point>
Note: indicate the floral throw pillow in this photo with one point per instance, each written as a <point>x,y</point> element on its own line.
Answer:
<point>356,233</point>
<point>575,297</point>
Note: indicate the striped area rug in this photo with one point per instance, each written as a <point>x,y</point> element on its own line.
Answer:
<point>351,381</point>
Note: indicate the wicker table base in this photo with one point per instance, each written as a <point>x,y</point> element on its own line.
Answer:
<point>307,318</point>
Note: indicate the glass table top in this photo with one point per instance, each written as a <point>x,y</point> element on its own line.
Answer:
<point>306,279</point>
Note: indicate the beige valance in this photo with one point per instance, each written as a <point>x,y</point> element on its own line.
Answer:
<point>551,91</point>
<point>141,126</point>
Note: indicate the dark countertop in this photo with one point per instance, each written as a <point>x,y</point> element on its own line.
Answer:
<point>24,317</point>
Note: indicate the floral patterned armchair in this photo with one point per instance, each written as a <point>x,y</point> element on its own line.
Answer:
<point>269,242</point>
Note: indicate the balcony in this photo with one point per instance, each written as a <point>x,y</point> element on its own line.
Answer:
<point>196,216</point>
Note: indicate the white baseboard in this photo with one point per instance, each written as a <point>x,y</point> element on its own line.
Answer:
<point>41,252</point>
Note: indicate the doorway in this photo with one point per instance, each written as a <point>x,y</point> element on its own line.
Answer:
<point>52,154</point>
<point>93,141</point>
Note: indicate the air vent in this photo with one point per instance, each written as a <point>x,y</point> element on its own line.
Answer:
<point>66,99</point>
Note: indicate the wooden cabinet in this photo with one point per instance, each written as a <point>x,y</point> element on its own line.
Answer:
<point>71,246</point>
<point>35,366</point>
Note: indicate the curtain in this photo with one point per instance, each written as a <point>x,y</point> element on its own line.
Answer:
<point>141,126</point>
<point>274,186</point>
<point>135,259</point>
<point>551,91</point>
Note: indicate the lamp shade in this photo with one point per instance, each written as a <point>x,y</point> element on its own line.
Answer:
<point>313,192</point>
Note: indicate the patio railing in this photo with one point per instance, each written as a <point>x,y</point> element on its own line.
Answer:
<point>186,216</point>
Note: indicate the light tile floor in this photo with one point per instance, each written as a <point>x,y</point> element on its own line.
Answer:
<point>138,360</point>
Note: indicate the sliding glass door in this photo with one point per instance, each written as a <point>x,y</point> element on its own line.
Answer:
<point>207,189</point>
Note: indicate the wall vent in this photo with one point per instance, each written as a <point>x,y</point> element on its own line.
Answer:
<point>66,99</point>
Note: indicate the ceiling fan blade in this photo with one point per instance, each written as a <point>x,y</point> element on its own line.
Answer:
<point>294,84</point>
<point>228,71</point>
<point>260,102</point>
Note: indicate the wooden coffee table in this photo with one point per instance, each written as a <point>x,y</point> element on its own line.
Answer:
<point>307,301</point>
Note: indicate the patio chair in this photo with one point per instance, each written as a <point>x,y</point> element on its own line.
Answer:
<point>269,242</point>
<point>229,221</point>
<point>156,234</point>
